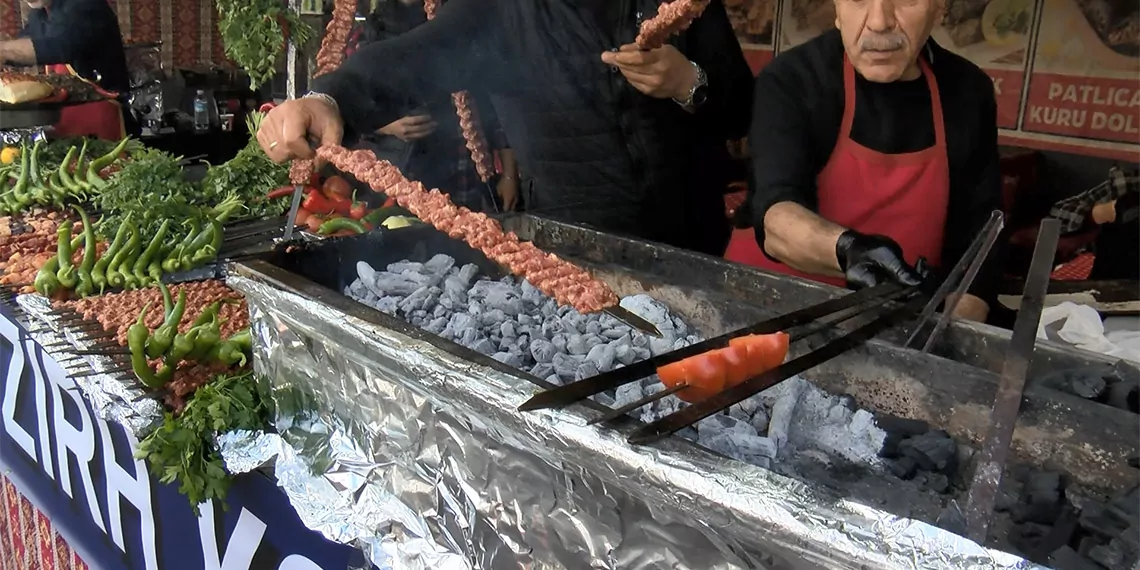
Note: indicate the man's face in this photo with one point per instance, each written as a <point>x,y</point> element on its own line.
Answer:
<point>883,37</point>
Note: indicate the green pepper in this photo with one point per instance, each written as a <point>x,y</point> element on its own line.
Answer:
<point>182,346</point>
<point>19,191</point>
<point>173,261</point>
<point>68,275</point>
<point>377,216</point>
<point>86,281</point>
<point>118,270</point>
<point>141,264</point>
<point>209,335</point>
<point>228,353</point>
<point>104,161</point>
<point>46,282</point>
<point>137,336</point>
<point>65,176</point>
<point>208,315</point>
<point>244,339</point>
<point>37,185</point>
<point>337,224</point>
<point>56,191</point>
<point>204,247</point>
<point>99,273</point>
<point>77,175</point>
<point>164,334</point>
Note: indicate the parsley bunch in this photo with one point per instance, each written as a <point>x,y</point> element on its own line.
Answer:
<point>182,449</point>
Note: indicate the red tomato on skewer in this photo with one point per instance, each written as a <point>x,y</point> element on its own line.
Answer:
<point>764,351</point>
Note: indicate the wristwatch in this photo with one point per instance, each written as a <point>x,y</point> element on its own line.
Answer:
<point>322,97</point>
<point>699,93</point>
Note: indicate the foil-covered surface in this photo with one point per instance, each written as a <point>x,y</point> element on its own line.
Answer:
<point>420,458</point>
<point>110,398</point>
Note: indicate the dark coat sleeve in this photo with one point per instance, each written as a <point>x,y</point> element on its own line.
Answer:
<point>451,53</point>
<point>78,26</point>
<point>711,43</point>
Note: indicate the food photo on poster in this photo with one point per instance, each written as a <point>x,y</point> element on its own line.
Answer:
<point>474,338</point>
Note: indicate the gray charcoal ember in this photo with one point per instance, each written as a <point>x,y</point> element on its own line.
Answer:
<point>526,320</point>
<point>750,405</point>
<point>459,324</point>
<point>542,370</point>
<point>593,327</point>
<point>505,301</point>
<point>586,369</point>
<point>753,446</point>
<point>386,283</point>
<point>549,308</point>
<point>660,345</point>
<point>649,309</point>
<point>628,394</point>
<point>387,305</point>
<point>439,311</point>
<point>640,354</point>
<point>554,379</point>
<point>523,343</point>
<point>783,409</point>
<point>454,291</point>
<point>508,330</point>
<point>760,420</point>
<point>493,317</point>
<point>570,323</point>
<point>357,289</point>
<point>559,341</point>
<point>469,337</point>
<point>437,325</point>
<point>679,327</point>
<point>604,399</point>
<point>623,353</point>
<point>483,346</point>
<point>602,356</point>
<point>552,326</point>
<point>474,308</point>
<point>639,340</point>
<point>737,411</point>
<point>563,311</point>
<point>439,265</point>
<point>450,302</point>
<point>680,343</point>
<point>934,450</point>
<point>512,359</point>
<point>530,294</point>
<point>566,365</point>
<point>576,344</point>
<point>405,267</point>
<point>592,341</point>
<point>419,313</point>
<point>417,322</point>
<point>693,339</point>
<point>366,272</point>
<point>615,333</point>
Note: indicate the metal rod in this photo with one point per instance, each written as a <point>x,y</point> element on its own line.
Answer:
<point>963,287</point>
<point>1007,401</point>
<point>619,412</point>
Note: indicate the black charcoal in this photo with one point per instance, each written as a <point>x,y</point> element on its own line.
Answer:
<point>1099,520</point>
<point>1125,395</point>
<point>1085,382</point>
<point>952,519</point>
<point>1111,555</point>
<point>1065,558</point>
<point>905,427</point>
<point>1042,498</point>
<point>904,468</point>
<point>937,482</point>
<point>1027,537</point>
<point>933,451</point>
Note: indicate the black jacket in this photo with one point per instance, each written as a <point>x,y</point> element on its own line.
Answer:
<point>85,34</point>
<point>596,151</point>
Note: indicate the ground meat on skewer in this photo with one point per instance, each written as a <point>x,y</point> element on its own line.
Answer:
<point>672,18</point>
<point>573,286</point>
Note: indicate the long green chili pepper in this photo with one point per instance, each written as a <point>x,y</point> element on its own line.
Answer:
<point>141,264</point>
<point>65,176</point>
<point>244,339</point>
<point>68,275</point>
<point>209,335</point>
<point>173,261</point>
<point>137,336</point>
<point>167,301</point>
<point>19,191</point>
<point>104,161</point>
<point>115,276</point>
<point>208,315</point>
<point>337,224</point>
<point>198,249</point>
<point>164,334</point>
<point>228,353</point>
<point>46,283</point>
<point>182,346</point>
<point>99,272</point>
<point>35,183</point>
<point>86,281</point>
<point>79,176</point>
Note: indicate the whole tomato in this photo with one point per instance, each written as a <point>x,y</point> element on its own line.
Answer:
<point>337,187</point>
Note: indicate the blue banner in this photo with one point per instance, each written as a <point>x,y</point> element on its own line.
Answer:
<point>81,472</point>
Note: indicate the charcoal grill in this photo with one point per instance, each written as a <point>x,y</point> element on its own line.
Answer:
<point>1087,442</point>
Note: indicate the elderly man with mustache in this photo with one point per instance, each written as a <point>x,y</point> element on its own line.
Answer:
<point>873,147</point>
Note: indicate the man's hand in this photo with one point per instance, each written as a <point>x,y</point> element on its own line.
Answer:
<point>663,73</point>
<point>508,190</point>
<point>869,260</point>
<point>285,131</point>
<point>409,128</point>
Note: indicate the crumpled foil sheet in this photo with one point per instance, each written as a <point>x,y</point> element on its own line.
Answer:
<point>17,136</point>
<point>110,398</point>
<point>420,458</point>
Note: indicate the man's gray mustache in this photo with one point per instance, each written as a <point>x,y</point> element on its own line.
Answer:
<point>883,43</point>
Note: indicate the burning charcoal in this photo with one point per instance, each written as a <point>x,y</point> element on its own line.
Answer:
<point>593,327</point>
<point>437,325</point>
<point>641,354</point>
<point>1125,395</point>
<point>482,346</point>
<point>542,351</point>
<point>904,468</point>
<point>566,366</point>
<point>937,482</point>
<point>576,344</point>
<point>628,393</point>
<point>417,322</point>
<point>623,353</point>
<point>783,408</point>
<point>1085,382</point>
<point>493,317</point>
<point>639,340</point>
<point>1041,499</point>
<point>1065,558</point>
<point>542,370</point>
<point>602,356</point>
<point>760,420</point>
<point>507,329</point>
<point>405,267</point>
<point>469,337</point>
<point>505,301</point>
<point>592,341</point>
<point>386,283</point>
<point>615,333</point>
<point>552,326</point>
<point>586,369</point>
<point>932,451</point>
<point>559,341</point>
<point>1111,555</point>
<point>439,265</point>
<point>660,345</point>
<point>387,305</point>
<point>512,359</point>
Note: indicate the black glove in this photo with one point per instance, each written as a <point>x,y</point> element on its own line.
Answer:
<point>870,260</point>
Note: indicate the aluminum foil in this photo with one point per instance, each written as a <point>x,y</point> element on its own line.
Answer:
<point>420,458</point>
<point>110,398</point>
<point>16,137</point>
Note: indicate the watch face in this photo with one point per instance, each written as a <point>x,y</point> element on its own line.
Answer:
<point>700,95</point>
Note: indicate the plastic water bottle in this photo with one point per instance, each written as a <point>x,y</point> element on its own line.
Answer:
<point>201,112</point>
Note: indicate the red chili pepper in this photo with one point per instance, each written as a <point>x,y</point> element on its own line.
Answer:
<point>316,203</point>
<point>283,192</point>
<point>389,203</point>
<point>358,210</point>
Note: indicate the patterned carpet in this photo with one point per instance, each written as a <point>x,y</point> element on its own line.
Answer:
<point>28,541</point>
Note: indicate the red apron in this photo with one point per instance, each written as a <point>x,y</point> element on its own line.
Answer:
<point>101,119</point>
<point>904,196</point>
